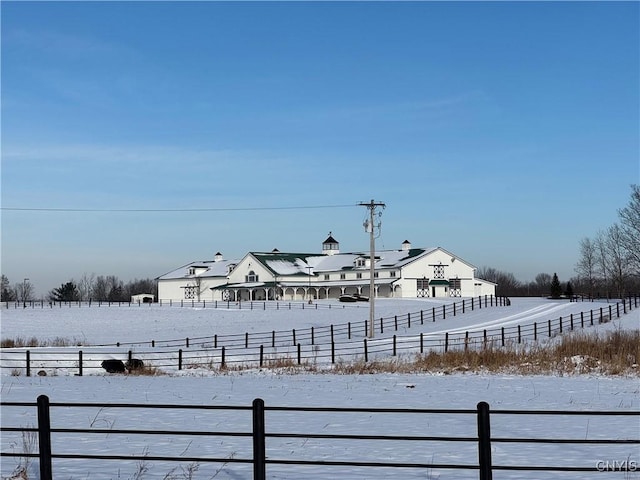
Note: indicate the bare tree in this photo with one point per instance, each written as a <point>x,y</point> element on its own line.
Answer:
<point>617,259</point>
<point>630,229</point>
<point>24,291</point>
<point>601,257</point>
<point>85,286</point>
<point>508,285</point>
<point>543,283</point>
<point>587,265</point>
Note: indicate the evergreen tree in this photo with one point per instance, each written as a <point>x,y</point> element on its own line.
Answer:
<point>7,294</point>
<point>556,289</point>
<point>569,291</point>
<point>67,292</point>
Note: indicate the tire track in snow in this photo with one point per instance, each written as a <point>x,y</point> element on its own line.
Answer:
<point>520,317</point>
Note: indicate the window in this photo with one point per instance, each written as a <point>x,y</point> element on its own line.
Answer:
<point>438,271</point>
<point>455,283</point>
<point>423,283</point>
<point>392,273</point>
<point>375,274</point>
<point>343,276</point>
<point>189,293</point>
<point>192,271</point>
<point>251,277</point>
<point>361,262</point>
<point>326,277</point>
<point>358,275</point>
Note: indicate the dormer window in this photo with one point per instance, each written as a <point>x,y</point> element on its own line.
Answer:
<point>251,277</point>
<point>361,262</point>
<point>192,271</point>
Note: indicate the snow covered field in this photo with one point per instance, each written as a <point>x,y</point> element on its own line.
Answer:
<point>209,387</point>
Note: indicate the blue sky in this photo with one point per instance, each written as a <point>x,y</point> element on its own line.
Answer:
<point>502,132</point>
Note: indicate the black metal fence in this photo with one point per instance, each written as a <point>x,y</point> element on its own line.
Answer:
<point>320,345</point>
<point>55,457</point>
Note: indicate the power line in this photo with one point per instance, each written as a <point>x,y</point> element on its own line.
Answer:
<point>175,210</point>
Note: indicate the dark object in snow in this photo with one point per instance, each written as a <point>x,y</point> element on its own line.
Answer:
<point>113,366</point>
<point>356,297</point>
<point>347,298</point>
<point>134,364</point>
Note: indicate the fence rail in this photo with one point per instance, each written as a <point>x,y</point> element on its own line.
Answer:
<point>263,435</point>
<point>322,345</point>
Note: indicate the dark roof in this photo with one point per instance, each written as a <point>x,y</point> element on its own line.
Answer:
<point>330,239</point>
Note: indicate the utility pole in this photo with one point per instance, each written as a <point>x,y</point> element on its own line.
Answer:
<point>371,227</point>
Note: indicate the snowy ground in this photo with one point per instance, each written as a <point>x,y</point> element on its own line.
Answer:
<point>205,387</point>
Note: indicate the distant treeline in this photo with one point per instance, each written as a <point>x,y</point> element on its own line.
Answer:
<point>99,288</point>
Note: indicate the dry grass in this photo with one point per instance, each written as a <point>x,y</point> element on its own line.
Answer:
<point>612,353</point>
<point>146,370</point>
<point>20,342</point>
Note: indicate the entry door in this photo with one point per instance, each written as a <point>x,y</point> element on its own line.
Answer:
<point>433,292</point>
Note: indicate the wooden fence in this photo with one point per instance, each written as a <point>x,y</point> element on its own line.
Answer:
<point>475,447</point>
<point>322,345</point>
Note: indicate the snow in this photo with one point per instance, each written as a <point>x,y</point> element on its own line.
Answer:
<point>102,325</point>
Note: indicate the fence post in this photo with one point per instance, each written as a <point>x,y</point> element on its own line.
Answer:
<point>333,352</point>
<point>394,345</point>
<point>44,438</point>
<point>382,325</point>
<point>28,363</point>
<point>312,336</point>
<point>395,322</point>
<point>180,359</point>
<point>349,330</point>
<point>366,352</point>
<point>259,450</point>
<point>421,342</point>
<point>299,354</point>
<point>246,340</point>
<point>484,441</point>
<point>408,320</point>
<point>502,335</point>
<point>444,312</point>
<point>293,333</point>
<point>446,342</point>
<point>80,363</point>
<point>273,338</point>
<point>261,354</point>
<point>222,355</point>
<point>433,313</point>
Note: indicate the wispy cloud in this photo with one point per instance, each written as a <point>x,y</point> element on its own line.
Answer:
<point>62,44</point>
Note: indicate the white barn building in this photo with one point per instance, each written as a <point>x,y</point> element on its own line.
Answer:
<point>404,273</point>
